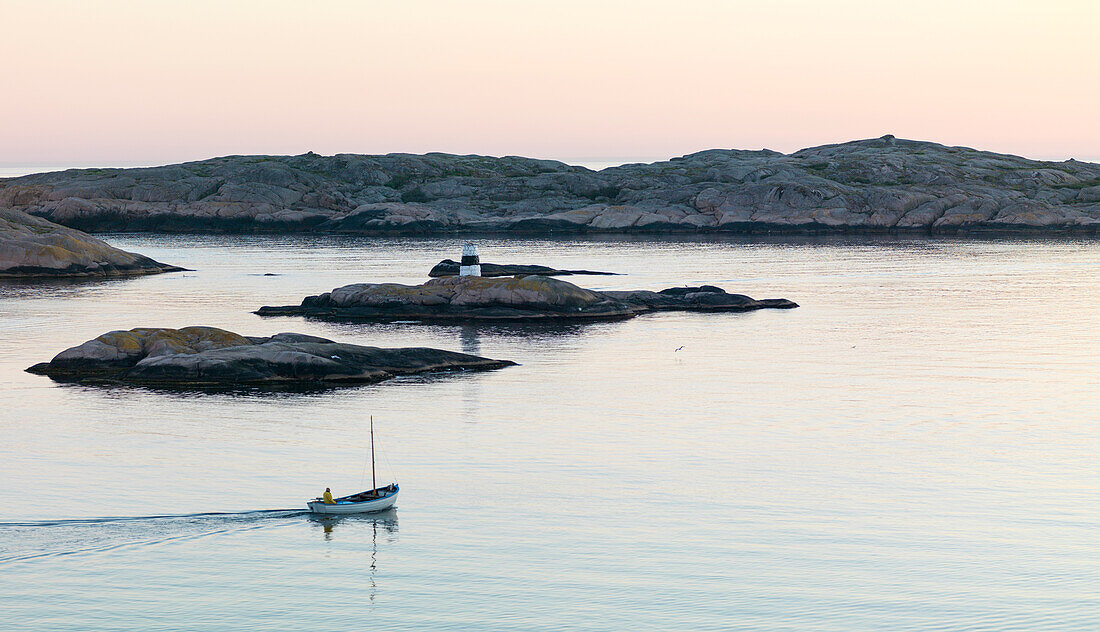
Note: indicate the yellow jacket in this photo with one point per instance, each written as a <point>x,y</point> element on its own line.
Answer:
<point>328,498</point>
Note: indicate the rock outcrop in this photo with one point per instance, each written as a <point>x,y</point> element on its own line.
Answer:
<point>31,247</point>
<point>877,185</point>
<point>706,298</point>
<point>519,298</point>
<point>211,357</point>
<point>448,267</point>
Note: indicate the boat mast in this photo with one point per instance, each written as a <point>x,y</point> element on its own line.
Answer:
<point>373,480</point>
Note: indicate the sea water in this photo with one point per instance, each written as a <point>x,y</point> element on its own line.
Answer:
<point>914,448</point>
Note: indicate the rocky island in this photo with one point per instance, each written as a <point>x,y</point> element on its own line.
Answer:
<point>450,267</point>
<point>31,247</point>
<point>211,357</point>
<point>519,298</point>
<point>878,185</point>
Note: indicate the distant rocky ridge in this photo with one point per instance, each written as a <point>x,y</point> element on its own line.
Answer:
<point>878,185</point>
<point>520,298</point>
<point>212,357</point>
<point>31,247</point>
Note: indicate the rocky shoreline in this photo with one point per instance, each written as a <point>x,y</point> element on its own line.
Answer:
<point>880,185</point>
<point>33,248</point>
<point>194,357</point>
<point>501,299</point>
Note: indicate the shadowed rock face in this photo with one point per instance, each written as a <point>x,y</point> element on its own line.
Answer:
<point>448,267</point>
<point>520,298</point>
<point>32,247</point>
<point>877,185</point>
<point>207,356</point>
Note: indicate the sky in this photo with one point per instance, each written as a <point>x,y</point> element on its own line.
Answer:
<point>165,81</point>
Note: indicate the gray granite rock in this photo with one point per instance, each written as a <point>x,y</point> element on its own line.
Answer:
<point>211,357</point>
<point>460,299</point>
<point>31,247</point>
<point>706,298</point>
<point>884,184</point>
<point>518,298</point>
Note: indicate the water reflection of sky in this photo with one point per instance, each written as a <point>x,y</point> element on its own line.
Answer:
<point>912,448</point>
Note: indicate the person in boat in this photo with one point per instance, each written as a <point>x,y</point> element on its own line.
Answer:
<point>328,497</point>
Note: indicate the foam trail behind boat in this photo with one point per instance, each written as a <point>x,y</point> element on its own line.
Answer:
<point>29,540</point>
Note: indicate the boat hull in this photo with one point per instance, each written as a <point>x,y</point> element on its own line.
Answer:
<point>342,506</point>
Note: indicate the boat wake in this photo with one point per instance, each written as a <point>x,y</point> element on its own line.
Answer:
<point>30,540</point>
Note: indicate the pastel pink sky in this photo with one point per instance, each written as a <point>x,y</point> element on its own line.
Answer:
<point>168,81</point>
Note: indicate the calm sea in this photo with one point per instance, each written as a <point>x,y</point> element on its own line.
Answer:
<point>914,448</point>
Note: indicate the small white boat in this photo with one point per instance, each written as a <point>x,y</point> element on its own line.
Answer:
<point>374,499</point>
<point>371,500</point>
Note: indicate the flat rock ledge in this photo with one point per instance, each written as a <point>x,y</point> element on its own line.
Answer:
<point>31,247</point>
<point>449,267</point>
<point>518,298</point>
<point>196,357</point>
